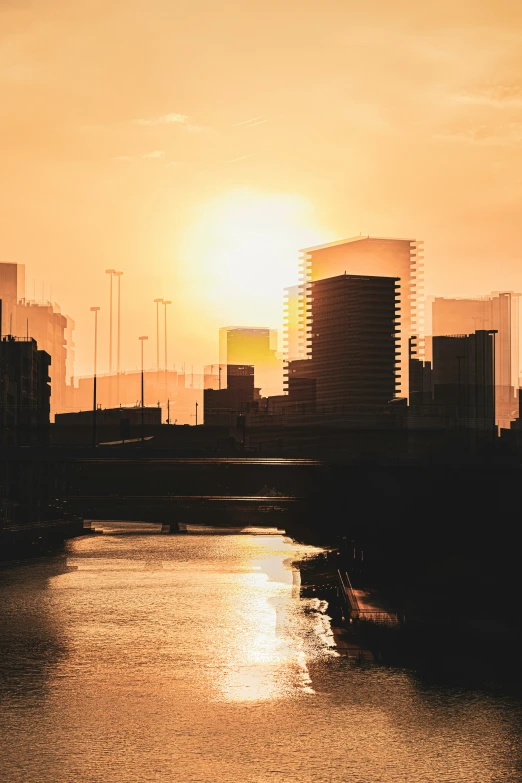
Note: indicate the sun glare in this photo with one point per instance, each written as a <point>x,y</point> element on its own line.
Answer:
<point>244,250</point>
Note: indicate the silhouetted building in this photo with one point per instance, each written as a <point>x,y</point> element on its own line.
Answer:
<point>224,406</point>
<point>43,322</point>
<point>254,346</point>
<point>365,256</point>
<point>458,390</point>
<point>498,311</point>
<point>24,392</point>
<point>354,337</point>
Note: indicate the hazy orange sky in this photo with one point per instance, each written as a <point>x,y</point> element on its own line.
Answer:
<point>197,145</point>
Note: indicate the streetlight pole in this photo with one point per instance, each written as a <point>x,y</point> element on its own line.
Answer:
<point>94,403</point>
<point>110,272</point>
<point>118,365</point>
<point>157,332</point>
<point>165,303</point>
<point>142,340</point>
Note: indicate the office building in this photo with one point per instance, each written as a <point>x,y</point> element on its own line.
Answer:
<point>498,311</point>
<point>42,321</point>
<point>24,392</point>
<point>366,256</point>
<point>354,342</point>
<point>256,346</point>
<point>463,378</point>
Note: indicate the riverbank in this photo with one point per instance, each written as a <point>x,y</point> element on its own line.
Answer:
<point>21,541</point>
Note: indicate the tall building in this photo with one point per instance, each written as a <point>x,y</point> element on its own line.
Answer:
<point>43,322</point>
<point>498,311</point>
<point>293,325</point>
<point>12,290</point>
<point>463,377</point>
<point>24,392</point>
<point>398,258</point>
<point>256,346</point>
<point>354,342</point>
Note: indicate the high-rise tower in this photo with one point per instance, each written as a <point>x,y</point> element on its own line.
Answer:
<point>401,258</point>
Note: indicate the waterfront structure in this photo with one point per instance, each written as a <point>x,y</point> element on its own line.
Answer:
<point>354,338</point>
<point>375,256</point>
<point>498,311</point>
<point>24,392</point>
<point>256,346</point>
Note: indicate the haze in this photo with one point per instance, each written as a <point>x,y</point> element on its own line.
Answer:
<point>198,145</point>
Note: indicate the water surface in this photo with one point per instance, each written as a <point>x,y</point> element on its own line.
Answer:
<point>173,659</point>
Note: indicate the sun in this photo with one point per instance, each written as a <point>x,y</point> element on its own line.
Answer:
<point>243,251</point>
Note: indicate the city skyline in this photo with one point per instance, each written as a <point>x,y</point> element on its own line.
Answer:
<point>149,158</point>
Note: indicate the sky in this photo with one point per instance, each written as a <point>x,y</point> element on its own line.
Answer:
<point>197,145</point>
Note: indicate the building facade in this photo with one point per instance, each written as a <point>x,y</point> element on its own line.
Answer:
<point>498,311</point>
<point>368,256</point>
<point>256,346</point>
<point>354,342</point>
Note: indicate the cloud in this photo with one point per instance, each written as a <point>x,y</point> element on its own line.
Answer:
<point>166,119</point>
<point>505,135</point>
<point>197,128</point>
<point>241,157</point>
<point>500,96</point>
<point>251,123</point>
<point>155,155</point>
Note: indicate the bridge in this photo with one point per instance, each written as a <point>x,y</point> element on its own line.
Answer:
<point>213,491</point>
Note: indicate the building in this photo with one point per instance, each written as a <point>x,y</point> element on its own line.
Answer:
<point>256,346</point>
<point>42,321</point>
<point>498,311</point>
<point>223,406</point>
<point>24,392</point>
<point>354,342</point>
<point>463,377</point>
<point>367,256</point>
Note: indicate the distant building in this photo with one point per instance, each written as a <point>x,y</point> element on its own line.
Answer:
<point>498,311</point>
<point>24,392</point>
<point>256,346</point>
<point>464,377</point>
<point>363,256</point>
<point>354,337</point>
<point>224,406</point>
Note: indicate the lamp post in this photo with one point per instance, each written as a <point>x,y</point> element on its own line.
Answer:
<point>94,404</point>
<point>110,272</point>
<point>118,365</point>
<point>165,303</point>
<point>142,340</point>
<point>157,332</point>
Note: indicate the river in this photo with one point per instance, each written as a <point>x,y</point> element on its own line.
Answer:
<point>136,657</point>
